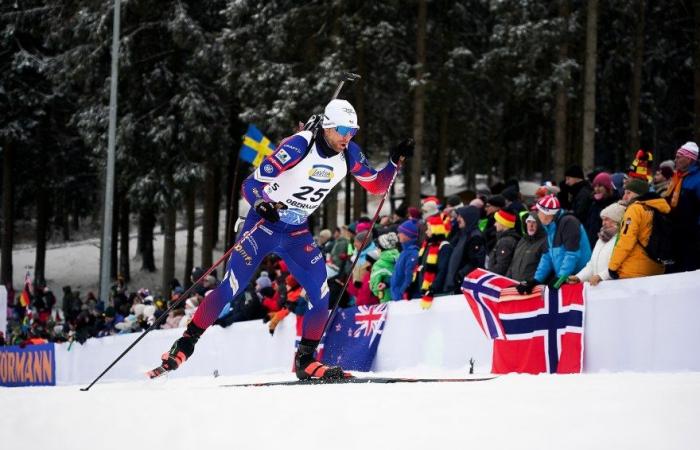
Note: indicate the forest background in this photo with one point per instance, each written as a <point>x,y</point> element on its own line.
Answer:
<point>509,88</point>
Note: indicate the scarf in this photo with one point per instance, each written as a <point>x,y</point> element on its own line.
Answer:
<point>674,188</point>
<point>607,233</point>
<point>429,268</point>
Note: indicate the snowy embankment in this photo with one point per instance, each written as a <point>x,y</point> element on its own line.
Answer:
<point>601,411</point>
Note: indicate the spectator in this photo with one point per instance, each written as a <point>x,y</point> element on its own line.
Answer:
<point>506,240</point>
<point>433,255</point>
<point>295,296</point>
<point>337,261</point>
<point>568,249</point>
<point>325,241</point>
<point>361,289</point>
<point>401,280</point>
<point>493,204</point>
<point>629,259</point>
<point>469,252</point>
<point>513,198</point>
<point>529,250</point>
<point>71,304</point>
<point>106,326</point>
<point>662,177</point>
<point>618,181</point>
<point>380,277</point>
<point>453,202</point>
<point>361,256</point>
<point>596,270</point>
<point>604,195</point>
<point>580,193</point>
<point>683,194</point>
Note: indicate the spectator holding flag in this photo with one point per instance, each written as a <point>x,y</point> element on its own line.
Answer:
<point>529,250</point>
<point>568,249</point>
<point>596,270</point>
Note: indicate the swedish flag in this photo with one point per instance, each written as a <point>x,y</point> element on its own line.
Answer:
<point>255,146</point>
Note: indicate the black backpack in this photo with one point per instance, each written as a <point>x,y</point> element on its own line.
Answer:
<point>659,248</point>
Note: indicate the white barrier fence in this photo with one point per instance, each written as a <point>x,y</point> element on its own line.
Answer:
<point>642,325</point>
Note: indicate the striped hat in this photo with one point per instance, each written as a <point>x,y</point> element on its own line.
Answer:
<point>505,218</point>
<point>689,150</point>
<point>549,205</point>
<point>439,224</point>
<point>641,166</point>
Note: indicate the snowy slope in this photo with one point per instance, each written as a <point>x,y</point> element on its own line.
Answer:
<point>614,411</point>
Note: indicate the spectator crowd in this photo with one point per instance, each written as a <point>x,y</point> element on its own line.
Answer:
<point>589,228</point>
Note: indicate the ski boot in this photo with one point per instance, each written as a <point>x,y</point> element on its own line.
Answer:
<point>179,352</point>
<point>307,367</point>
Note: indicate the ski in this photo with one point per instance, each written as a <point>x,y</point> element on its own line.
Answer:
<point>157,372</point>
<point>367,380</point>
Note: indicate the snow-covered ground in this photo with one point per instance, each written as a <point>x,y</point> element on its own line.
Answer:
<point>603,411</point>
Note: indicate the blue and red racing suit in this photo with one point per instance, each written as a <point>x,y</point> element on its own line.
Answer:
<point>300,180</point>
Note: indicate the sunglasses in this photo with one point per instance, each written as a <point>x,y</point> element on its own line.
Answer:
<point>344,131</point>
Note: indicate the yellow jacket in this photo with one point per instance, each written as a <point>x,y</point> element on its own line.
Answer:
<point>628,258</point>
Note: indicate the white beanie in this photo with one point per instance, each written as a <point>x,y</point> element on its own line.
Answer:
<point>613,212</point>
<point>339,113</point>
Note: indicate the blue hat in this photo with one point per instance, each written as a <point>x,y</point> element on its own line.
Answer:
<point>409,228</point>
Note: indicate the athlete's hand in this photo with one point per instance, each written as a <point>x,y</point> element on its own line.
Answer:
<point>403,150</point>
<point>268,210</point>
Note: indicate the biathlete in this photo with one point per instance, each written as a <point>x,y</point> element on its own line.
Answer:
<point>283,191</point>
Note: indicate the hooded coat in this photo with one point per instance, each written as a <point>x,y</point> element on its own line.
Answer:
<point>527,255</point>
<point>469,251</point>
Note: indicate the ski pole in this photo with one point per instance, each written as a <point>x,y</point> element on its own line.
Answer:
<point>362,246</point>
<point>179,301</point>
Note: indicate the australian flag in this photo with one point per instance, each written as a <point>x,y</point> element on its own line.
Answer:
<point>532,333</point>
<point>353,337</point>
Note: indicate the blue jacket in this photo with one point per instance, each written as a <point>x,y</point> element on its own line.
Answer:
<point>403,271</point>
<point>688,210</point>
<point>568,249</point>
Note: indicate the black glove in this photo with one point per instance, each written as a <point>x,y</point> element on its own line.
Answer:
<point>268,210</point>
<point>526,287</point>
<point>404,149</point>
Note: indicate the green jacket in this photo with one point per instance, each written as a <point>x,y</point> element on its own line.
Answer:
<point>381,273</point>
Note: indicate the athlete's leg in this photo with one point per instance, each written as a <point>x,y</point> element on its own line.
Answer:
<point>305,263</point>
<point>253,244</point>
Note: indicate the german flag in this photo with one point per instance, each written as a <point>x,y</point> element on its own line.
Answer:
<point>25,298</point>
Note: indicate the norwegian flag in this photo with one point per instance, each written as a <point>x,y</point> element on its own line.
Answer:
<point>353,337</point>
<point>533,333</point>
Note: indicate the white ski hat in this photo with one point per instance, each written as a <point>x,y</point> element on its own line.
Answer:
<point>339,113</point>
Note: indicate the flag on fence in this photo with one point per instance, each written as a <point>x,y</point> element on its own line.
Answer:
<point>25,298</point>
<point>255,146</point>
<point>353,337</point>
<point>532,333</point>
